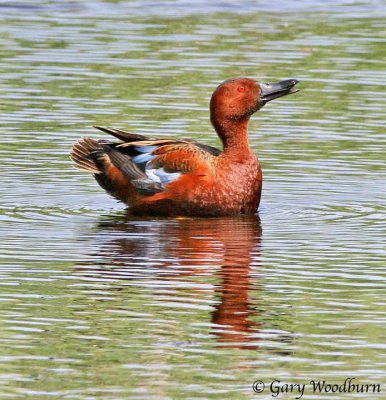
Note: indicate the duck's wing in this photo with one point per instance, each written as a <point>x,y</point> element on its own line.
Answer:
<point>140,166</point>
<point>128,138</point>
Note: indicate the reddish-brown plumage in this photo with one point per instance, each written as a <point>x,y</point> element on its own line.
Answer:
<point>182,177</point>
<point>119,181</point>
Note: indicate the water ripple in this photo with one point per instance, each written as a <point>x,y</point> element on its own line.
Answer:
<point>95,303</point>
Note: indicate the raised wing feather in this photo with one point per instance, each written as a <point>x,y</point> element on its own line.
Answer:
<point>120,134</point>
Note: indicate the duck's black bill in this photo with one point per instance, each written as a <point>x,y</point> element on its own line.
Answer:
<point>271,91</point>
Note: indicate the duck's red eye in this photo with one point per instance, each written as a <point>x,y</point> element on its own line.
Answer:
<point>241,89</point>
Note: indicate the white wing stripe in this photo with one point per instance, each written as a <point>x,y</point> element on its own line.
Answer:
<point>159,175</point>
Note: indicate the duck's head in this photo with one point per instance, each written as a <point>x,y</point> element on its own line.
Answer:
<point>237,99</point>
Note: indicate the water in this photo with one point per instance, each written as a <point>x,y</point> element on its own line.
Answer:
<point>95,305</point>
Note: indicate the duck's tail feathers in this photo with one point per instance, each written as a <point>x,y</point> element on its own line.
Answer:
<point>82,152</point>
<point>114,170</point>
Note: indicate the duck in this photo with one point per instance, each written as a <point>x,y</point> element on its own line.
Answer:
<point>183,177</point>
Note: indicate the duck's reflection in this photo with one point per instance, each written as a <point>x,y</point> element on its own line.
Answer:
<point>220,253</point>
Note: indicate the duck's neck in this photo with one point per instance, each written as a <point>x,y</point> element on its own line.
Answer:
<point>234,136</point>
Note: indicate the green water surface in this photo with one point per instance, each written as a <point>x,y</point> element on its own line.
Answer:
<point>97,305</point>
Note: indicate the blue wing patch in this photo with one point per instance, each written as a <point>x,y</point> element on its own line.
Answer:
<point>158,175</point>
<point>145,155</point>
